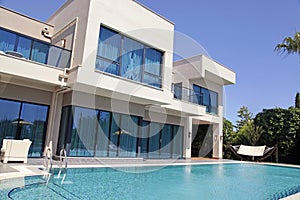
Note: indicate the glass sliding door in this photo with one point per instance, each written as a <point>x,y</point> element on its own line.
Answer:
<point>177,146</point>
<point>88,132</point>
<point>154,140</point>
<point>103,134</point>
<point>166,139</point>
<point>19,120</point>
<point>114,135</point>
<point>66,124</point>
<point>84,132</point>
<point>128,136</point>
<point>33,126</point>
<point>9,112</point>
<point>143,139</point>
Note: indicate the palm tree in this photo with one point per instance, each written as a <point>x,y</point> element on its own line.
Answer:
<point>290,45</point>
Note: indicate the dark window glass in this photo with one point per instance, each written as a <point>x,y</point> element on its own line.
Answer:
<point>197,96</point>
<point>7,41</point>
<point>166,138</point>
<point>39,52</point>
<point>102,134</point>
<point>177,90</point>
<point>34,127</point>
<point>66,125</point>
<point>109,44</point>
<point>20,120</point>
<point>143,139</point>
<point>128,136</point>
<point>125,57</point>
<point>177,145</point>
<point>107,66</point>
<point>214,102</point>
<point>24,47</point>
<point>114,135</point>
<point>84,132</point>
<point>132,59</point>
<point>154,140</point>
<point>9,112</point>
<point>205,97</point>
<point>153,61</point>
<point>117,135</point>
<point>152,80</point>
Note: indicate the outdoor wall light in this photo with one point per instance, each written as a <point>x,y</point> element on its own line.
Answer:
<point>215,137</point>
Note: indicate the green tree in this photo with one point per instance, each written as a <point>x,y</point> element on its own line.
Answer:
<point>290,45</point>
<point>251,133</point>
<point>297,100</point>
<point>281,126</point>
<point>244,115</point>
<point>228,137</point>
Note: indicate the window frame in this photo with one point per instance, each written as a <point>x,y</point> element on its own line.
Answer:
<point>118,63</point>
<point>201,96</point>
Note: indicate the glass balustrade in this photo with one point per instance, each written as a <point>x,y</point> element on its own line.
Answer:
<point>21,46</point>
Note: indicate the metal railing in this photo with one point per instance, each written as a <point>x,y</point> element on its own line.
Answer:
<point>63,165</point>
<point>189,95</point>
<point>48,163</point>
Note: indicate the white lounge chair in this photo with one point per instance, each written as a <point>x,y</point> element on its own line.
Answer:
<point>15,150</point>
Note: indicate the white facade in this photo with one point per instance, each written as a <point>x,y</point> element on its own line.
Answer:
<point>76,28</point>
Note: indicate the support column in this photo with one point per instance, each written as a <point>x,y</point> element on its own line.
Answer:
<point>188,138</point>
<point>217,141</point>
<point>54,120</point>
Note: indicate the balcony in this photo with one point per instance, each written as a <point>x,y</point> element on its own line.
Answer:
<point>21,46</point>
<point>198,95</point>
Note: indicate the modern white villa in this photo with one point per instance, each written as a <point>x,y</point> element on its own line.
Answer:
<point>98,80</point>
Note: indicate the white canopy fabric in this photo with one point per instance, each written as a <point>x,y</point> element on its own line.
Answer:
<point>251,150</point>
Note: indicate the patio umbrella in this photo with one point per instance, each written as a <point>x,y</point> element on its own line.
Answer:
<point>21,122</point>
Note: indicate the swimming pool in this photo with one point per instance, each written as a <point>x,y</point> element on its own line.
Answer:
<point>218,181</point>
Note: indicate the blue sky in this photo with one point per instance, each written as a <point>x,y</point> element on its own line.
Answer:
<point>239,34</point>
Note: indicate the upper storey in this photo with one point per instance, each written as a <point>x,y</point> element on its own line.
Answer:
<point>120,48</point>
<point>27,38</point>
<point>30,52</point>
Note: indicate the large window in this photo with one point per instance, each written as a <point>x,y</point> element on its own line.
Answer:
<point>87,132</point>
<point>20,120</point>
<point>32,49</point>
<point>128,136</point>
<point>154,140</point>
<point>83,132</point>
<point>128,58</point>
<point>102,134</point>
<point>208,98</point>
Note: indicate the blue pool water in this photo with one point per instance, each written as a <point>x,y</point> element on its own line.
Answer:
<point>222,181</point>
